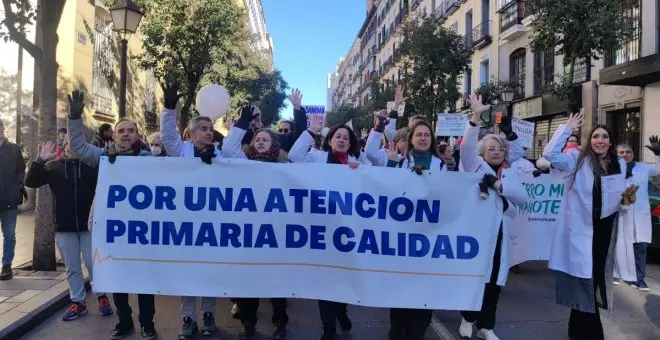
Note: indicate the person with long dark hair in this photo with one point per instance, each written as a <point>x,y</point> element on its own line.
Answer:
<point>582,252</point>
<point>338,147</point>
<point>488,156</point>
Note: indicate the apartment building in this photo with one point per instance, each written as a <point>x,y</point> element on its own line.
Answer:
<point>629,84</point>
<point>261,39</point>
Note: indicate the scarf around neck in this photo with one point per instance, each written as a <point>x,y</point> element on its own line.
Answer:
<point>422,159</point>
<point>337,157</point>
<point>271,155</point>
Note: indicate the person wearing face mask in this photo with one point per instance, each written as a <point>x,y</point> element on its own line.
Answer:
<point>200,145</point>
<point>264,147</point>
<point>582,250</point>
<point>156,145</point>
<point>72,184</point>
<point>634,224</point>
<point>489,157</point>
<point>126,143</point>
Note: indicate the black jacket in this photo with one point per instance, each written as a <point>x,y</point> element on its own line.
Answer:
<point>12,171</point>
<point>73,185</point>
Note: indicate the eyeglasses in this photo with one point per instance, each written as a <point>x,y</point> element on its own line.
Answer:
<point>282,130</point>
<point>496,149</point>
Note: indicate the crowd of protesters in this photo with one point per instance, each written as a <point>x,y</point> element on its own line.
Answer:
<point>585,251</point>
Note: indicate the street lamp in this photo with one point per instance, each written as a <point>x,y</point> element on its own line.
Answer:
<point>507,96</point>
<point>126,18</point>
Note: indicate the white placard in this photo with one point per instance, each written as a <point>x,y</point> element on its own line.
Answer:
<point>451,124</point>
<point>525,131</point>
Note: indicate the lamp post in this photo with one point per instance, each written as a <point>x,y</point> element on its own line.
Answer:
<point>507,96</point>
<point>126,18</point>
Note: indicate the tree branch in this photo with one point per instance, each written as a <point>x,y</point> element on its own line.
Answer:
<point>18,37</point>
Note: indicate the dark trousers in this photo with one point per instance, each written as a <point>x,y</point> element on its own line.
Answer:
<point>125,313</point>
<point>485,318</point>
<point>329,311</point>
<point>584,325</point>
<point>249,308</point>
<point>409,324</point>
<point>640,260</point>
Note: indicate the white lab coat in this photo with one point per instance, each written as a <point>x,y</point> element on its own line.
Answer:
<point>378,156</point>
<point>172,142</point>
<point>634,224</point>
<point>300,152</point>
<point>512,190</point>
<point>571,250</point>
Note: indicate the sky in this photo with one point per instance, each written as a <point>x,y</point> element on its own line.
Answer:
<point>309,37</point>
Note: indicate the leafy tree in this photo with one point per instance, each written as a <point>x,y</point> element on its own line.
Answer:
<point>18,15</point>
<point>380,95</point>
<point>270,93</point>
<point>433,59</point>
<point>344,114</point>
<point>8,104</point>
<point>183,39</point>
<point>580,30</point>
<point>491,93</point>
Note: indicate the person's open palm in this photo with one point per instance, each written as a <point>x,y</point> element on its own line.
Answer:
<point>48,151</point>
<point>296,98</point>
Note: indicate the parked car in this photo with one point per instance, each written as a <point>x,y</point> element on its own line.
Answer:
<point>654,200</point>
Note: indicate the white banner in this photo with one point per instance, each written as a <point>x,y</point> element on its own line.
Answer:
<point>377,237</point>
<point>532,230</point>
<point>451,124</point>
<point>525,131</point>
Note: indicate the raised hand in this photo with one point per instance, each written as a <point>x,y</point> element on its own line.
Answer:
<point>76,104</point>
<point>353,165</point>
<point>655,145</point>
<point>47,152</point>
<point>476,103</point>
<point>315,123</point>
<point>398,96</point>
<point>172,95</point>
<point>248,113</point>
<point>364,132</point>
<point>380,121</point>
<point>296,98</point>
<point>575,120</point>
<point>393,154</point>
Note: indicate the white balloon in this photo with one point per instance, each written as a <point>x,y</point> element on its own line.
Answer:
<point>213,101</point>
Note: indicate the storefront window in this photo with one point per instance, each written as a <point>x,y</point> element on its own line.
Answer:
<point>625,125</point>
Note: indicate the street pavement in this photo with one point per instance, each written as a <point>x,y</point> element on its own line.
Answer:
<point>368,323</point>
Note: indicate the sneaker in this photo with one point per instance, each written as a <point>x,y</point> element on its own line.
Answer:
<point>235,311</point>
<point>74,311</point>
<point>344,322</point>
<point>209,328</point>
<point>149,333</point>
<point>121,331</point>
<point>280,332</point>
<point>188,329</point>
<point>6,273</point>
<point>104,306</point>
<point>617,282</point>
<point>487,334</point>
<point>465,329</point>
<point>633,284</point>
<point>248,332</point>
<point>643,286</point>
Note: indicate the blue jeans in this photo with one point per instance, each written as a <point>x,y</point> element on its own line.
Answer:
<point>640,260</point>
<point>8,224</point>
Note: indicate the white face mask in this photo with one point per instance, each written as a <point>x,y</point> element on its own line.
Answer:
<point>156,150</point>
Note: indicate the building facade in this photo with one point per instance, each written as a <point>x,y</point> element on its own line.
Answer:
<point>261,39</point>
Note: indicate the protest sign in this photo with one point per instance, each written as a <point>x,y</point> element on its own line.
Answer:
<point>451,124</point>
<point>317,231</point>
<point>532,229</point>
<point>314,110</point>
<point>525,131</point>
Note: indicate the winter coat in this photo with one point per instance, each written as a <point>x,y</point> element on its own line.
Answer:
<point>12,172</point>
<point>73,185</point>
<point>300,152</point>
<point>512,191</point>
<point>232,148</point>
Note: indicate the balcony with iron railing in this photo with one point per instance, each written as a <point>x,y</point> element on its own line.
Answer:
<point>482,35</point>
<point>468,41</point>
<point>451,6</point>
<point>511,14</point>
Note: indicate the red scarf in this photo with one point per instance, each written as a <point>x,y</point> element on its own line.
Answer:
<point>342,157</point>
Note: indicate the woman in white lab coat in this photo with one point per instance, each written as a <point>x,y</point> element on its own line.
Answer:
<point>489,157</point>
<point>635,223</point>
<point>582,251</point>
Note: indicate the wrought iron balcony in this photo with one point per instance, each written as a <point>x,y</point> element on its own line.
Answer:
<point>511,14</point>
<point>482,35</point>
